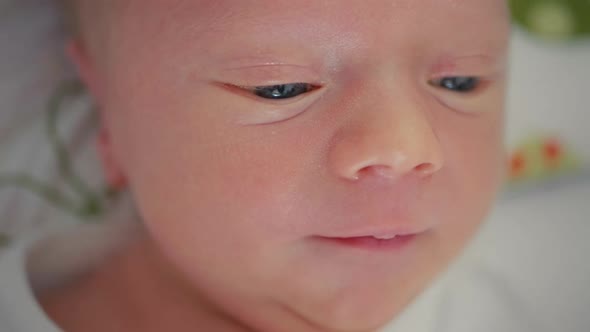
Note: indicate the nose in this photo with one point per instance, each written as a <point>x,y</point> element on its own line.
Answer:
<point>388,137</point>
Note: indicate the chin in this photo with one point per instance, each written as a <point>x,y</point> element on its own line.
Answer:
<point>357,321</point>
<point>366,311</point>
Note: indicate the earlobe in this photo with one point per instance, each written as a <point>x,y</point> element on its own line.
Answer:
<point>113,172</point>
<point>86,67</point>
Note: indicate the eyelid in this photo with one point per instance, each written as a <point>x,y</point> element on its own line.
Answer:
<point>482,74</point>
<point>475,65</point>
<point>252,87</point>
<point>267,75</point>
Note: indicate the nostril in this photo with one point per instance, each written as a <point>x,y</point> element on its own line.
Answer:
<point>425,168</point>
<point>376,170</point>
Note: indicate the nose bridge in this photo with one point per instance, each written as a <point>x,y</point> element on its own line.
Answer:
<point>391,134</point>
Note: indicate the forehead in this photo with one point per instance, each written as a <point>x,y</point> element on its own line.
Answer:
<point>221,13</point>
<point>292,25</point>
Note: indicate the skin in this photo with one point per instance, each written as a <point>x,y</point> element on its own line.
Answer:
<point>235,190</point>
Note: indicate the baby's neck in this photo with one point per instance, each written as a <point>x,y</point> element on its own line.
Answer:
<point>117,296</point>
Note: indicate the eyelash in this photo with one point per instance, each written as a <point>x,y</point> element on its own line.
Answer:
<point>458,84</point>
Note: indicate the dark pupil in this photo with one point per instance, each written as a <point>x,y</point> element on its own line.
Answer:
<point>460,84</point>
<point>281,91</point>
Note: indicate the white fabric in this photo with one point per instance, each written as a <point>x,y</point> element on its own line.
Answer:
<point>44,261</point>
<point>537,243</point>
<point>19,312</point>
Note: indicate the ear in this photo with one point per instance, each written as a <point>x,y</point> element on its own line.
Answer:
<point>86,67</point>
<point>112,170</point>
<point>90,76</point>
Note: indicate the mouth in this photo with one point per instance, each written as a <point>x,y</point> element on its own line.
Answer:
<point>393,242</point>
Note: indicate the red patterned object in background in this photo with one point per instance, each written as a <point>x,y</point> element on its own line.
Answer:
<point>539,158</point>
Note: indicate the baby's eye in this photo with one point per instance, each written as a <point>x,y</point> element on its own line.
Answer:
<point>282,91</point>
<point>461,84</point>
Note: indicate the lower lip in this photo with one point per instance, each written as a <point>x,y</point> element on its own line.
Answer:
<point>372,244</point>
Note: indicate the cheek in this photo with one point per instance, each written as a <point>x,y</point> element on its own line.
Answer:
<point>200,174</point>
<point>472,176</point>
<point>209,195</point>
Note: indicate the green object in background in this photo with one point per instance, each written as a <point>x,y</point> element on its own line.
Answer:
<point>553,19</point>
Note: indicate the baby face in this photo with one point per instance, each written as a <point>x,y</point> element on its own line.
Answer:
<point>269,144</point>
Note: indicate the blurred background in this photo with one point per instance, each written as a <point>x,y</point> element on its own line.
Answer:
<point>532,252</point>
